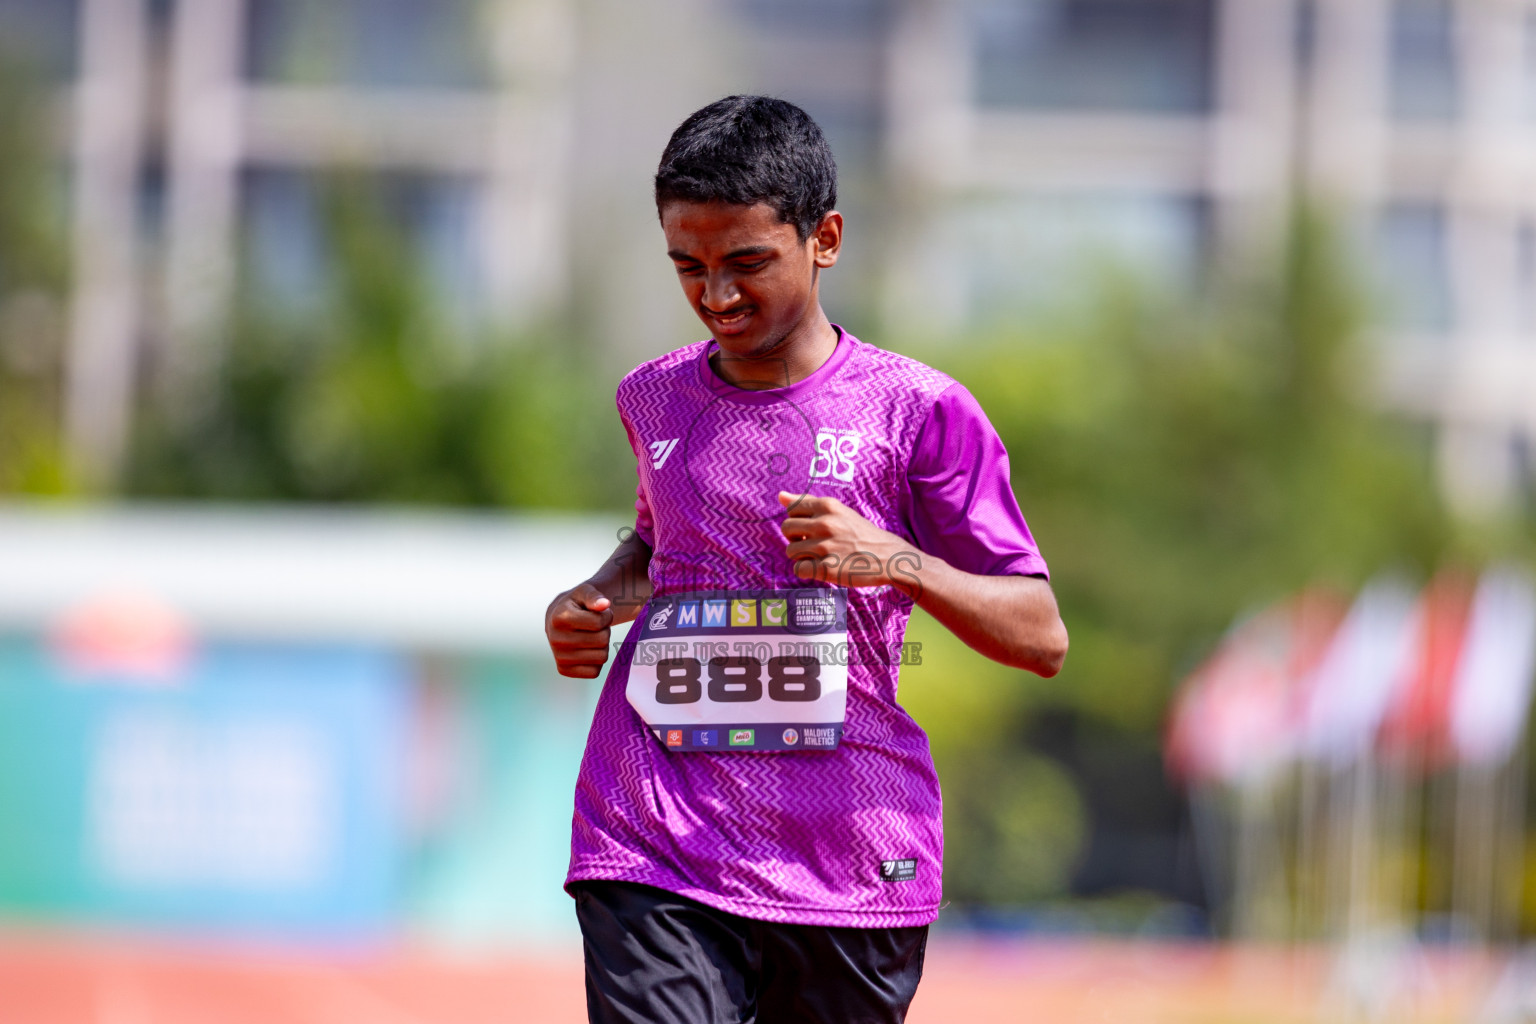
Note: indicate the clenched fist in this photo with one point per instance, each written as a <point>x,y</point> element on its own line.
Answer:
<point>830,542</point>
<point>576,624</point>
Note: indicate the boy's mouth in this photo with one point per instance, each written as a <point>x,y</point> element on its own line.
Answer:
<point>729,323</point>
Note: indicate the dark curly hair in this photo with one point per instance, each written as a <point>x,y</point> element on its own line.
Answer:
<point>751,149</point>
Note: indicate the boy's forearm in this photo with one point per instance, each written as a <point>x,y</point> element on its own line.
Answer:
<point>1010,619</point>
<point>624,578</point>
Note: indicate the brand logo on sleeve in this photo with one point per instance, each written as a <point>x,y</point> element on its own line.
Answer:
<point>904,870</point>
<point>835,452</point>
<point>742,738</point>
<point>659,619</point>
<point>660,450</point>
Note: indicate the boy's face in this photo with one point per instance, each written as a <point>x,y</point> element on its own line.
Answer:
<point>746,273</point>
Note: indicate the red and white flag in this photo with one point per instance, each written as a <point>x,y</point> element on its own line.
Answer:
<point>1237,715</point>
<point>1416,730</point>
<point>1358,676</point>
<point>1493,679</point>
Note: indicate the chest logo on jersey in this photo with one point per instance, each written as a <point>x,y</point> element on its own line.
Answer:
<point>835,452</point>
<point>660,450</point>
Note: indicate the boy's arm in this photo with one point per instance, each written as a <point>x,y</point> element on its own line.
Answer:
<point>1011,619</point>
<point>576,622</point>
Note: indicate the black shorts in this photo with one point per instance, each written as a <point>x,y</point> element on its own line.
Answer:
<point>657,958</point>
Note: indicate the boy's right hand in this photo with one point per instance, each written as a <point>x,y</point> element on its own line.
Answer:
<point>577,627</point>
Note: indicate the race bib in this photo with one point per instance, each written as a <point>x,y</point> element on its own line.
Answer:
<point>743,670</point>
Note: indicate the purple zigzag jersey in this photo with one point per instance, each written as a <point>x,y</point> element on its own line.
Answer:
<point>848,837</point>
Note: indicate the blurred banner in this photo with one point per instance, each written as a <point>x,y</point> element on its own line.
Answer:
<point>204,728</point>
<point>289,791</point>
<point>258,789</point>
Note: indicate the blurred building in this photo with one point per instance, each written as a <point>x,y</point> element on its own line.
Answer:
<point>1169,135</point>
<point>993,152</point>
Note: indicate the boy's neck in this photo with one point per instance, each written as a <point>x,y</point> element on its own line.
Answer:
<point>800,354</point>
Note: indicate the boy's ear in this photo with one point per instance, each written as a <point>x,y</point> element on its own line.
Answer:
<point>828,239</point>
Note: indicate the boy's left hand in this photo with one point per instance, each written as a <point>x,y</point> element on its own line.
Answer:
<point>831,543</point>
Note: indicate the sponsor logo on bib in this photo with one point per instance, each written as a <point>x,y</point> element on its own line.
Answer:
<point>815,737</point>
<point>674,737</point>
<point>706,738</point>
<point>714,612</point>
<point>744,613</point>
<point>741,738</point>
<point>814,613</point>
<point>791,737</point>
<point>659,620</point>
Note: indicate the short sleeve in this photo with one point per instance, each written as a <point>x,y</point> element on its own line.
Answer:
<point>963,509</point>
<point>645,526</point>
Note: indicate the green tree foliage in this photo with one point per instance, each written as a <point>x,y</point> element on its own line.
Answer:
<point>1178,466</point>
<point>1014,824</point>
<point>376,396</point>
<point>32,287</point>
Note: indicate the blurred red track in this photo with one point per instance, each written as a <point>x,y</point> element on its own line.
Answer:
<point>48,979</point>
<point>52,981</point>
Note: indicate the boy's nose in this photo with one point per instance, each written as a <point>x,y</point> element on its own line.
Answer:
<point>720,292</point>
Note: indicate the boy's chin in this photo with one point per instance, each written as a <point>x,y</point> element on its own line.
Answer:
<point>753,344</point>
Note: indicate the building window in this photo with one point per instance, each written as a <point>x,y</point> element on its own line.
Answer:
<point>1304,40</point>
<point>1411,246</point>
<point>847,18</point>
<point>39,37</point>
<point>1424,83</point>
<point>1525,278</point>
<point>1101,55</point>
<point>399,43</point>
<point>291,221</point>
<point>1021,255</point>
<point>1529,64</point>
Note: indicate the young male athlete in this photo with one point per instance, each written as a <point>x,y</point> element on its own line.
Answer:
<point>757,827</point>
